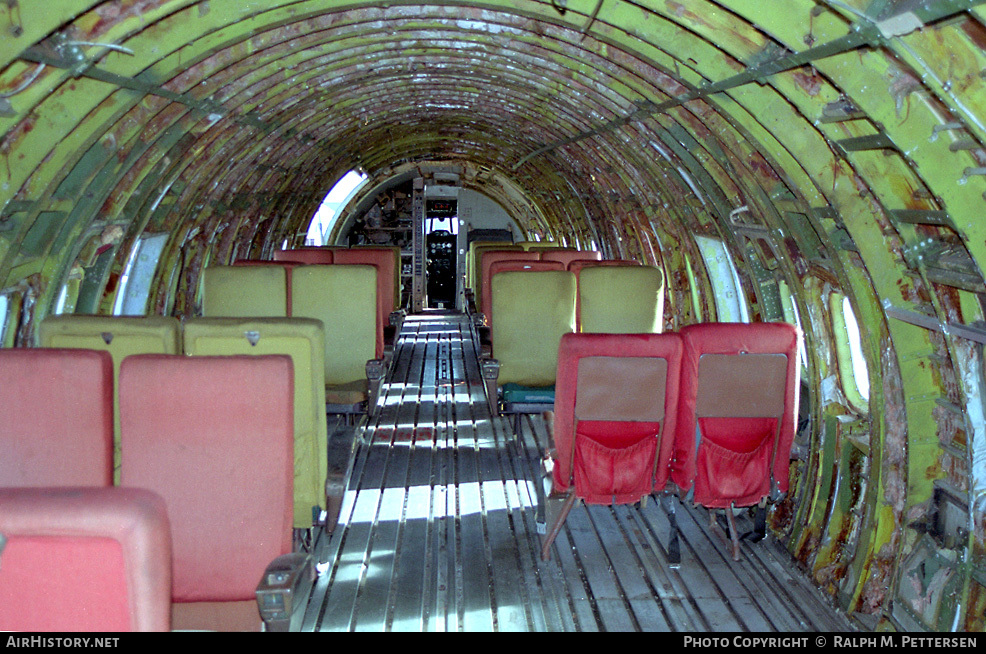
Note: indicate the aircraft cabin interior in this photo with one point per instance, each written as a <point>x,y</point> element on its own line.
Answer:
<point>493,315</point>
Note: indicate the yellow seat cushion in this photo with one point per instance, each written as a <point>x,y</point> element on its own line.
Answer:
<point>533,310</point>
<point>621,300</point>
<point>244,291</point>
<point>351,393</point>
<point>304,341</point>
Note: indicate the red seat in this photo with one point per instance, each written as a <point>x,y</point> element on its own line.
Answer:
<point>566,256</point>
<point>213,435</point>
<point>57,426</point>
<point>308,256</point>
<point>84,559</point>
<point>739,402</point>
<point>616,400</point>
<point>576,265</point>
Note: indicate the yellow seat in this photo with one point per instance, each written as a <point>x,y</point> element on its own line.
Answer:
<point>533,310</point>
<point>621,300</point>
<point>304,341</point>
<point>344,298</point>
<point>245,291</point>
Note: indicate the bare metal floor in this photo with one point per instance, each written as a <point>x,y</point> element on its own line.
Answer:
<point>438,531</point>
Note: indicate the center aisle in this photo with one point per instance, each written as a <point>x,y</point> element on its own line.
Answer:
<point>440,536</point>
<point>437,531</point>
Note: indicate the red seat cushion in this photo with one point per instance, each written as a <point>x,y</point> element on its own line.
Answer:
<point>213,435</point>
<point>61,433</point>
<point>78,580</point>
<point>84,559</point>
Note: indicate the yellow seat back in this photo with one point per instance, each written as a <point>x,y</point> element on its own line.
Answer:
<point>621,300</point>
<point>304,341</point>
<point>344,298</point>
<point>121,336</point>
<point>245,291</point>
<point>533,310</point>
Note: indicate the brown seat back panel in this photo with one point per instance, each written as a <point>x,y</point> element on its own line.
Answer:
<point>621,389</point>
<point>741,385</point>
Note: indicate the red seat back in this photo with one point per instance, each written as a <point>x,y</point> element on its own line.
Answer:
<point>213,435</point>
<point>84,559</point>
<point>576,265</point>
<point>566,256</point>
<point>616,400</point>
<point>308,256</point>
<point>739,402</point>
<point>57,425</point>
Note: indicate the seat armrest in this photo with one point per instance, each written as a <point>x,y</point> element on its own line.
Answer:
<point>283,592</point>
<point>469,299</point>
<point>391,331</point>
<point>491,371</point>
<point>376,371</point>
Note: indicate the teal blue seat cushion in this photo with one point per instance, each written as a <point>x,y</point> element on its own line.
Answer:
<point>525,394</point>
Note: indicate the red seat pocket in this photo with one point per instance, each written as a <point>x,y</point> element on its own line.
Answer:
<point>733,461</point>
<point>614,461</point>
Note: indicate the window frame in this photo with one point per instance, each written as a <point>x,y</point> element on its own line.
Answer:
<point>144,258</point>
<point>730,300</point>
<point>791,315</point>
<point>4,316</point>
<point>853,366</point>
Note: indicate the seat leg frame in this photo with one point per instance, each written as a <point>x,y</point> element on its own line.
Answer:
<point>556,524</point>
<point>674,546</point>
<point>733,535</point>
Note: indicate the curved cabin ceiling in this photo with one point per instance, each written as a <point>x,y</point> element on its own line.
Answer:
<point>837,146</point>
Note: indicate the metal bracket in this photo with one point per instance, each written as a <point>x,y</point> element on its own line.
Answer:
<point>491,371</point>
